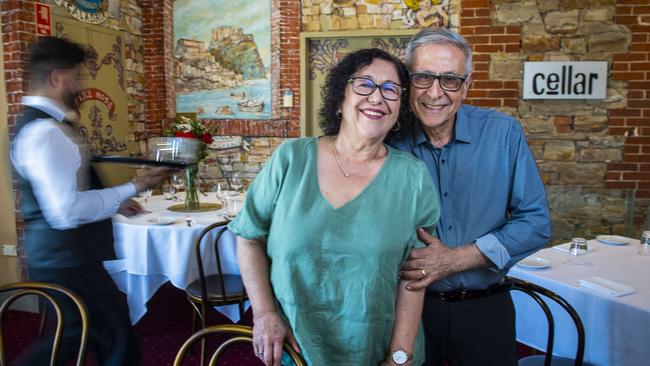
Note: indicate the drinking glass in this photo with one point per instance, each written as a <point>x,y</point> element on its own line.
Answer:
<point>578,246</point>
<point>577,249</point>
<point>645,244</point>
<point>233,206</point>
<point>236,181</point>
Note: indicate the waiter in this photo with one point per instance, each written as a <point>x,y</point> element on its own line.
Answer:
<point>66,210</point>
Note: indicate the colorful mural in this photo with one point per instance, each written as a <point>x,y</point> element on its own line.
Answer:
<point>222,52</point>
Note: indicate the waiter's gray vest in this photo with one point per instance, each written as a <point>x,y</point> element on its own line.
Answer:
<point>47,247</point>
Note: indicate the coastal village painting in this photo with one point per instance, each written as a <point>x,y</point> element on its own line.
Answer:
<point>222,52</point>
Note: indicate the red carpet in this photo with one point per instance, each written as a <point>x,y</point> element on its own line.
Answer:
<point>161,331</point>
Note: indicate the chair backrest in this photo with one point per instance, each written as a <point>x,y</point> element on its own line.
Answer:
<point>45,291</point>
<point>240,334</point>
<point>534,291</point>
<point>221,227</point>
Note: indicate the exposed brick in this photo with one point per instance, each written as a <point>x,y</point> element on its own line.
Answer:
<point>636,176</point>
<point>623,167</point>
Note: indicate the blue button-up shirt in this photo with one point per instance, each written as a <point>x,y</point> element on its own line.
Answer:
<point>490,190</point>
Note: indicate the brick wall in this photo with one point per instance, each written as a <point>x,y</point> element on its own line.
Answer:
<point>18,31</point>
<point>158,40</point>
<point>633,67</point>
<point>488,39</point>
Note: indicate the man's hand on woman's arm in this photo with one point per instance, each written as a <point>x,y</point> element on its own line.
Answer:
<point>436,261</point>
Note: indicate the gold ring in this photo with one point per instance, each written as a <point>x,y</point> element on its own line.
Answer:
<point>424,273</point>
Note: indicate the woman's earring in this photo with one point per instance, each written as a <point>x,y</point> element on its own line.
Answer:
<point>339,114</point>
<point>397,126</point>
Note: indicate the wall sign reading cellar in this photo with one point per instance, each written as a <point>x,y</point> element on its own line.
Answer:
<point>565,80</point>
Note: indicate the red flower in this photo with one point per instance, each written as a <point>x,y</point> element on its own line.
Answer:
<point>185,134</point>
<point>207,138</point>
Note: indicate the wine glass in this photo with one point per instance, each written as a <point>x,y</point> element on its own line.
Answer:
<point>177,183</point>
<point>236,181</point>
<point>146,194</point>
<point>220,191</point>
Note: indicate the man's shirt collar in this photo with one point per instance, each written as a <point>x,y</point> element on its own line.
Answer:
<point>45,104</point>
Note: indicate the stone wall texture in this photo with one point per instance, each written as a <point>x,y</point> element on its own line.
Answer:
<point>593,155</point>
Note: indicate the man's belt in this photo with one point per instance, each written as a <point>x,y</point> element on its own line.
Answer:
<point>465,294</point>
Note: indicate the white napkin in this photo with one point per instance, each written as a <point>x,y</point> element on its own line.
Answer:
<point>607,287</point>
<point>565,248</point>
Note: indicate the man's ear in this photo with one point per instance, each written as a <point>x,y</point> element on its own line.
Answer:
<point>55,78</point>
<point>467,84</point>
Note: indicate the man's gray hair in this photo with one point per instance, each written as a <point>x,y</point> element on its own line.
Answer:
<point>439,36</point>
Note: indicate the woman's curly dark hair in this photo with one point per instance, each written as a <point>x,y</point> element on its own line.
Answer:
<point>333,90</point>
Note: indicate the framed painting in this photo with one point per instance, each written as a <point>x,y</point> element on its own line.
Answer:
<point>222,57</point>
<point>320,51</point>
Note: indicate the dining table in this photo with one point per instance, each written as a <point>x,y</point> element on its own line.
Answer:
<point>615,311</point>
<point>157,246</point>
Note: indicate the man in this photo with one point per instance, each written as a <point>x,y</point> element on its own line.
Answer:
<point>494,207</point>
<point>68,231</point>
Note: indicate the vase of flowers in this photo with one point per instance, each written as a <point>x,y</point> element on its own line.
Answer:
<point>185,127</point>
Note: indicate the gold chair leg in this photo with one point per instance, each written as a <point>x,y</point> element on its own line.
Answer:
<point>203,324</point>
<point>44,314</point>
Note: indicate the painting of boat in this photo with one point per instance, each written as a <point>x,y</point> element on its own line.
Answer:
<point>251,105</point>
<point>238,96</point>
<point>224,110</point>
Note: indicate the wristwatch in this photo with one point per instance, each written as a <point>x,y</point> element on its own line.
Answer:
<point>400,357</point>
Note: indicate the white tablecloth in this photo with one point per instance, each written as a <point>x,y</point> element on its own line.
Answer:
<point>150,255</point>
<point>617,329</point>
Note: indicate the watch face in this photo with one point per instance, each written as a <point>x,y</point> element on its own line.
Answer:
<point>400,357</point>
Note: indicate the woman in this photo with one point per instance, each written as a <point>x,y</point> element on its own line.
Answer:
<point>328,222</point>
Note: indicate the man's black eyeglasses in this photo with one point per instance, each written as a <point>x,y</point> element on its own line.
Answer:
<point>365,86</point>
<point>424,80</point>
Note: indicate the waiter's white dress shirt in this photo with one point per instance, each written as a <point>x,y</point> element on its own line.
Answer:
<point>48,154</point>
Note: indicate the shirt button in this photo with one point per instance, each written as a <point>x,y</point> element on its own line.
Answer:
<point>449,228</point>
<point>443,161</point>
<point>444,194</point>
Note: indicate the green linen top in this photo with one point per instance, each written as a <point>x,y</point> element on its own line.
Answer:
<point>334,272</point>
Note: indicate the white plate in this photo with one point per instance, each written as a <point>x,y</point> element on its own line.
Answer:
<point>534,263</point>
<point>162,220</point>
<point>612,239</point>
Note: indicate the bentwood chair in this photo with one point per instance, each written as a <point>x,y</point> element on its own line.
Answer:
<point>46,291</point>
<point>240,334</point>
<point>548,359</point>
<point>217,289</point>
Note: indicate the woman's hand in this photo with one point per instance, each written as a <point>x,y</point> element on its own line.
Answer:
<point>269,333</point>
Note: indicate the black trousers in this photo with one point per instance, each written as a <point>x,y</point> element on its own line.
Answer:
<point>478,332</point>
<point>111,337</point>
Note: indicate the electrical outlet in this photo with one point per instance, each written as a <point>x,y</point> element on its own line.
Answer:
<point>10,250</point>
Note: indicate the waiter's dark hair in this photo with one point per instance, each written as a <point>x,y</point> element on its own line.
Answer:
<point>52,53</point>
